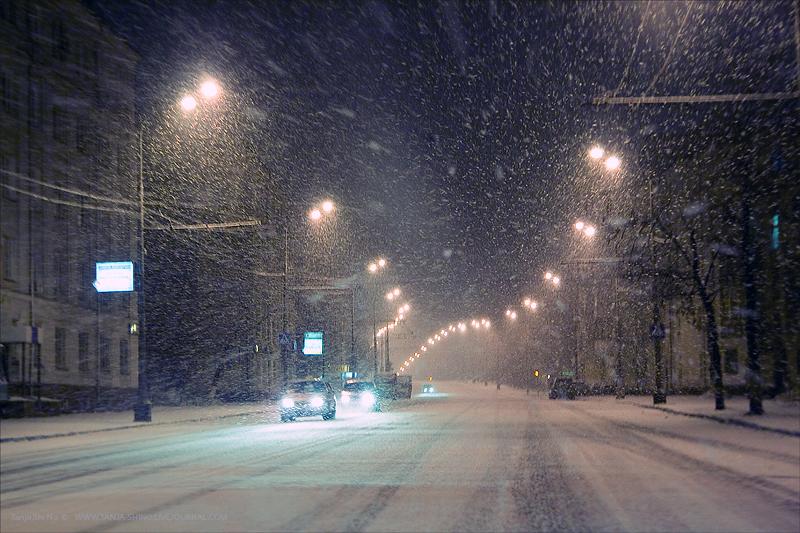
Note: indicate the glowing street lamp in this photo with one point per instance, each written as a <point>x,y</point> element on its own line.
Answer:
<point>209,89</point>
<point>556,281</point>
<point>315,214</point>
<point>548,275</point>
<point>188,103</point>
<point>613,163</point>
<point>579,225</point>
<point>381,262</point>
<point>328,206</point>
<point>596,152</point>
<point>590,231</point>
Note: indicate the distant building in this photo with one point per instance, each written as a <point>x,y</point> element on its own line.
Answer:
<point>67,174</point>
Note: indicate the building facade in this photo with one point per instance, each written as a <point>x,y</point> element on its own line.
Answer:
<point>68,175</point>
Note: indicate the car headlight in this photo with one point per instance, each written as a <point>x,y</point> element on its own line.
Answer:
<point>367,398</point>
<point>317,401</point>
<point>287,402</point>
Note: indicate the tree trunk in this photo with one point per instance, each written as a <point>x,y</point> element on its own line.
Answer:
<point>712,335</point>
<point>752,317</point>
<point>712,340</point>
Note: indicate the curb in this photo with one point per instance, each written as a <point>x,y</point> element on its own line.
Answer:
<point>119,428</point>
<point>722,420</point>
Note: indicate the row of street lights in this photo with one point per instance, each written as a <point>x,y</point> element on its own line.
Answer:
<point>441,335</point>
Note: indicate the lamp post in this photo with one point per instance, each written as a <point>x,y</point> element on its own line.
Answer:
<point>374,268</point>
<point>142,411</point>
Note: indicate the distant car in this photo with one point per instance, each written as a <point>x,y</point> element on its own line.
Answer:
<point>563,388</point>
<point>308,398</point>
<point>361,395</point>
<point>428,388</point>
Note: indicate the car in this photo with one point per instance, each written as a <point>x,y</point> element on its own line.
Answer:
<point>361,395</point>
<point>428,388</point>
<point>563,388</point>
<point>308,398</point>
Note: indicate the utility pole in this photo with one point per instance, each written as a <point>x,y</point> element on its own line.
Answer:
<point>284,311</point>
<point>659,396</point>
<point>143,410</point>
<point>374,339</point>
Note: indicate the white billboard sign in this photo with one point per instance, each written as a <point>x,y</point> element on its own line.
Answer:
<point>114,277</point>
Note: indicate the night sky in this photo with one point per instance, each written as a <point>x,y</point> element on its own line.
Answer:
<point>453,132</point>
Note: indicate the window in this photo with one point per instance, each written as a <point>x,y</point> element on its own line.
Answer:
<point>10,263</point>
<point>732,361</point>
<point>776,231</point>
<point>124,357</point>
<point>83,352</point>
<point>61,348</point>
<point>105,354</point>
<point>9,93</point>
<point>60,125</point>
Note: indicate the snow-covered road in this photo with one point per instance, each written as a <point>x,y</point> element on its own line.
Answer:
<point>472,458</point>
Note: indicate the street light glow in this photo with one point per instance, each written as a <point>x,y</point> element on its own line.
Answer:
<point>381,262</point>
<point>315,214</point>
<point>613,163</point>
<point>579,225</point>
<point>396,291</point>
<point>328,206</point>
<point>596,152</point>
<point>590,231</point>
<point>373,267</point>
<point>556,280</point>
<point>188,103</point>
<point>209,89</point>
<point>513,315</point>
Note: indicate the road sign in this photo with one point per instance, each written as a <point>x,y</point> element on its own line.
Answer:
<point>312,343</point>
<point>116,276</point>
<point>657,331</point>
<point>285,338</point>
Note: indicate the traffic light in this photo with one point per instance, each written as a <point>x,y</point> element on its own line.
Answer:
<point>536,373</point>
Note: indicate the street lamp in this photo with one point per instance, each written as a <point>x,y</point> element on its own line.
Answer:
<point>613,163</point>
<point>315,214</point>
<point>589,231</point>
<point>188,103</point>
<point>328,206</point>
<point>548,275</point>
<point>209,89</point>
<point>596,152</point>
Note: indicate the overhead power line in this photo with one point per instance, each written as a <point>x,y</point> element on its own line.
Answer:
<point>68,202</point>
<point>693,98</point>
<point>69,190</point>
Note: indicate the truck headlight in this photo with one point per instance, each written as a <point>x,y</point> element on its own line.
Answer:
<point>317,401</point>
<point>287,402</point>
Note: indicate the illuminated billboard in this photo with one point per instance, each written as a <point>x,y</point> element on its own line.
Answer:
<point>312,343</point>
<point>114,277</point>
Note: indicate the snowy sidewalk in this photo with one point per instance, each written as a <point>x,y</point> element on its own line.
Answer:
<point>17,429</point>
<point>779,415</point>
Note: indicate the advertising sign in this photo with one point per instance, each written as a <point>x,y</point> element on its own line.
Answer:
<point>114,277</point>
<point>312,343</point>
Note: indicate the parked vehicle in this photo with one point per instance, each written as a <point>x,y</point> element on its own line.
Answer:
<point>563,388</point>
<point>392,386</point>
